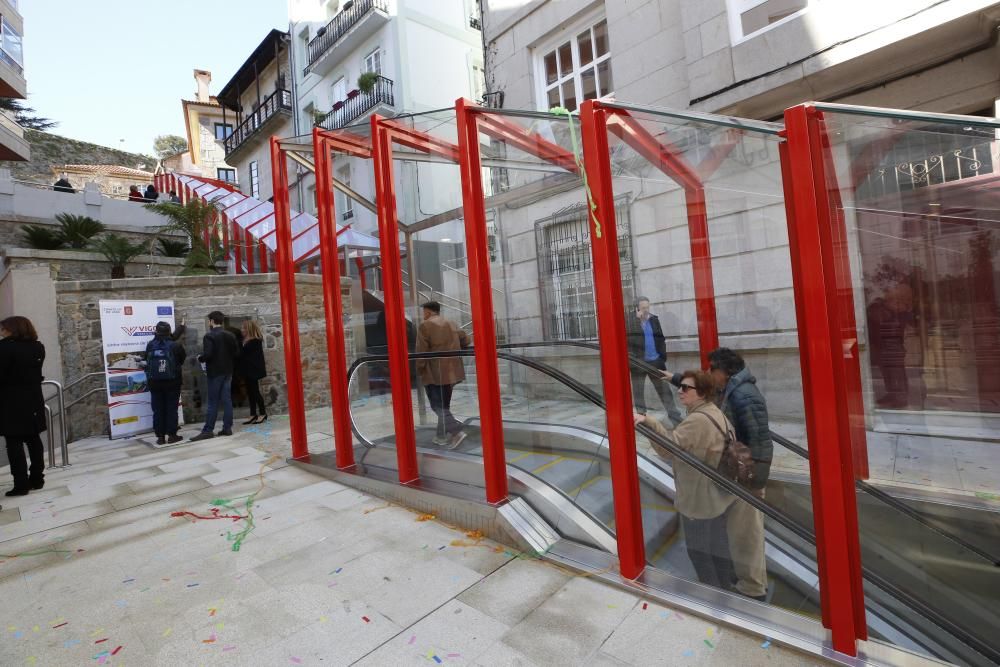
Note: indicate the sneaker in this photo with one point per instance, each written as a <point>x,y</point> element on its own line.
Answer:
<point>456,440</point>
<point>204,435</point>
<point>171,439</point>
<point>17,492</point>
<point>160,440</point>
<point>225,432</point>
<point>440,442</point>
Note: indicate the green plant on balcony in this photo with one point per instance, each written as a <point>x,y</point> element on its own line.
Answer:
<point>318,117</point>
<point>172,248</point>
<point>119,251</point>
<point>42,238</point>
<point>195,220</point>
<point>78,230</point>
<point>366,82</point>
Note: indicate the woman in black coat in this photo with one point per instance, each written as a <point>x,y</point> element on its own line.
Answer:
<point>22,407</point>
<point>253,370</point>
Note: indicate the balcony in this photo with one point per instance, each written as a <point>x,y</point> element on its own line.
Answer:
<point>357,104</point>
<point>348,29</point>
<point>277,104</point>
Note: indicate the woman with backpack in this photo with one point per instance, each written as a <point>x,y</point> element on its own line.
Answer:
<point>700,502</point>
<point>253,369</point>
<point>164,360</point>
<point>22,406</point>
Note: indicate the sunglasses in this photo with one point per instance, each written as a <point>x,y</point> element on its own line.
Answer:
<point>684,387</point>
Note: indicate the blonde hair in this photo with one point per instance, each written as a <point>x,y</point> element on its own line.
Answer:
<point>253,330</point>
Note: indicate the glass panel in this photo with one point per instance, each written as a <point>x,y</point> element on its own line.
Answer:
<point>913,209</point>
<point>569,94</point>
<point>565,59</point>
<point>551,69</point>
<point>604,75</point>
<point>12,44</point>
<point>601,45</point>
<point>586,48</point>
<point>553,98</point>
<point>588,82</point>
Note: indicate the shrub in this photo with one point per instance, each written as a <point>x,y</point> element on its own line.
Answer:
<point>193,220</point>
<point>172,248</point>
<point>366,82</point>
<point>78,230</point>
<point>42,238</point>
<point>119,251</point>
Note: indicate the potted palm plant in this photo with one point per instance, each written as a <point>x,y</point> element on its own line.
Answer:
<point>119,251</point>
<point>78,230</point>
<point>366,82</point>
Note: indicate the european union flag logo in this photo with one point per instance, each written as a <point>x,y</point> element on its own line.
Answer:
<point>164,310</point>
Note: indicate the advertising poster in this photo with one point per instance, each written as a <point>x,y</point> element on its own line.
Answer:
<point>126,328</point>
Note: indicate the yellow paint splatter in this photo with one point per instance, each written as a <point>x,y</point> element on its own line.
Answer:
<point>166,633</point>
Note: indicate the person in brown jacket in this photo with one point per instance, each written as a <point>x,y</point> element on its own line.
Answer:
<point>700,502</point>
<point>439,376</point>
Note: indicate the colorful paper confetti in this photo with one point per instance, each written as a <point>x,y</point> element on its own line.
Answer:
<point>766,644</point>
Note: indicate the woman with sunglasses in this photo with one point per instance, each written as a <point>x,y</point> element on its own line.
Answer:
<point>700,502</point>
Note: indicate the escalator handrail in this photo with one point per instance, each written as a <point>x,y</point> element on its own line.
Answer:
<point>787,522</point>
<point>861,485</point>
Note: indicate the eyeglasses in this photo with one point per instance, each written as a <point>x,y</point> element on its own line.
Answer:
<point>684,387</point>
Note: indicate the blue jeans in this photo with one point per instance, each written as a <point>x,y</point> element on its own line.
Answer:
<point>220,389</point>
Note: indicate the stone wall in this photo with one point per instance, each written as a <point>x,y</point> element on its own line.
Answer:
<point>247,296</point>
<point>12,230</point>
<point>81,265</point>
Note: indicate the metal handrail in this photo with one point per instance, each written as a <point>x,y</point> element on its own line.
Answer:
<point>339,26</point>
<point>63,445</point>
<point>351,108</point>
<point>279,100</point>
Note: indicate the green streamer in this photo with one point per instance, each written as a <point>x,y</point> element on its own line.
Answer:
<point>591,205</point>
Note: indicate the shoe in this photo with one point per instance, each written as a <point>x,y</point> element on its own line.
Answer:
<point>456,440</point>
<point>160,440</point>
<point>17,492</point>
<point>171,439</point>
<point>252,420</point>
<point>261,420</point>
<point>37,486</point>
<point>204,435</point>
<point>439,441</point>
<point>225,432</point>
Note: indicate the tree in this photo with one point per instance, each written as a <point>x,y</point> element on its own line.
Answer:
<point>193,220</point>
<point>25,115</point>
<point>166,145</point>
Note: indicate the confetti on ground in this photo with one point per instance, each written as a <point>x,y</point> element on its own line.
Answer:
<point>338,570</point>
<point>366,619</point>
<point>128,581</point>
<point>441,548</point>
<point>210,640</point>
<point>115,652</point>
<point>228,648</point>
<point>211,612</point>
<point>766,644</point>
<point>60,625</point>
<point>166,633</point>
<point>454,655</point>
<point>425,517</point>
<point>688,653</point>
<point>191,585</point>
<point>708,643</point>
<point>99,641</point>
<point>296,660</point>
<point>412,640</point>
<point>70,643</point>
<point>214,514</point>
<point>645,606</point>
<point>678,615</point>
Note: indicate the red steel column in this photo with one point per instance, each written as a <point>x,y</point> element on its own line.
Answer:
<point>481,298</point>
<point>248,240</point>
<point>336,349</point>
<point>237,243</point>
<point>614,350</point>
<point>289,309</point>
<point>701,263</point>
<point>262,247</point>
<point>395,309</point>
<point>830,459</point>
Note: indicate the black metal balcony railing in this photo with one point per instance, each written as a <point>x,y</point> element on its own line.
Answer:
<point>358,103</point>
<point>279,100</point>
<point>341,23</point>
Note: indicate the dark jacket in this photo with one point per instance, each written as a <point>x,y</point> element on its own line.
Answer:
<point>62,185</point>
<point>637,340</point>
<point>151,194</point>
<point>219,352</point>
<point>22,407</point>
<point>180,354</point>
<point>252,366</point>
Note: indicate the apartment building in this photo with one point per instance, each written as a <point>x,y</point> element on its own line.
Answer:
<point>12,84</point>
<point>206,126</point>
<point>753,59</point>
<point>257,103</point>
<point>417,55</point>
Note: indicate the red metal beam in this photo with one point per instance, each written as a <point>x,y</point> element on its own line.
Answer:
<point>248,240</point>
<point>662,156</point>
<point>481,299</point>
<point>610,304</point>
<point>289,308</point>
<point>527,142</point>
<point>421,141</point>
<point>395,310</point>
<point>830,461</point>
<point>347,143</point>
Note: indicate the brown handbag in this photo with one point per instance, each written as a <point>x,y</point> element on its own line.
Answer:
<point>736,463</point>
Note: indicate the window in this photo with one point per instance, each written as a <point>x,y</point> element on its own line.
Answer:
<point>576,69</point>
<point>373,61</point>
<point>346,206</point>
<point>338,91</point>
<point>11,49</point>
<point>564,271</point>
<point>227,175</point>
<point>254,180</point>
<point>222,131</point>
<point>478,82</point>
<point>749,17</point>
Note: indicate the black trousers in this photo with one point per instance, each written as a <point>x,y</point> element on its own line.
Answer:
<point>708,549</point>
<point>255,397</point>
<point>163,399</point>
<point>662,387</point>
<point>439,396</point>
<point>19,464</point>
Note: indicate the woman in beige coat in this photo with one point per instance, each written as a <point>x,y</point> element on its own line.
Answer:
<point>700,502</point>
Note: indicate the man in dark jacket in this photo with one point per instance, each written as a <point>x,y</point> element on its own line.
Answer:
<point>647,343</point>
<point>219,353</point>
<point>63,185</point>
<point>164,361</point>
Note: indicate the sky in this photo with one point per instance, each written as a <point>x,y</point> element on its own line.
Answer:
<point>113,72</point>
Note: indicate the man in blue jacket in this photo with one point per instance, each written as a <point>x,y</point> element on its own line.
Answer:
<point>646,342</point>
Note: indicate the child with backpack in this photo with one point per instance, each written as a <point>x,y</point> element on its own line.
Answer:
<point>164,360</point>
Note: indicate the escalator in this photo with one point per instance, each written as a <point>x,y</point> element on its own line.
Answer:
<point>928,588</point>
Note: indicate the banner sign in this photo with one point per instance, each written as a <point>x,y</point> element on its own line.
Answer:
<point>126,328</point>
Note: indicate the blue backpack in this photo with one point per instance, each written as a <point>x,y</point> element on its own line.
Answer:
<point>161,363</point>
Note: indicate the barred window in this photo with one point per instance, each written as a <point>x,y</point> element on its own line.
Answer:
<point>565,275</point>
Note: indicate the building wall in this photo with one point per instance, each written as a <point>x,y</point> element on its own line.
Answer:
<point>194,297</point>
<point>206,154</point>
